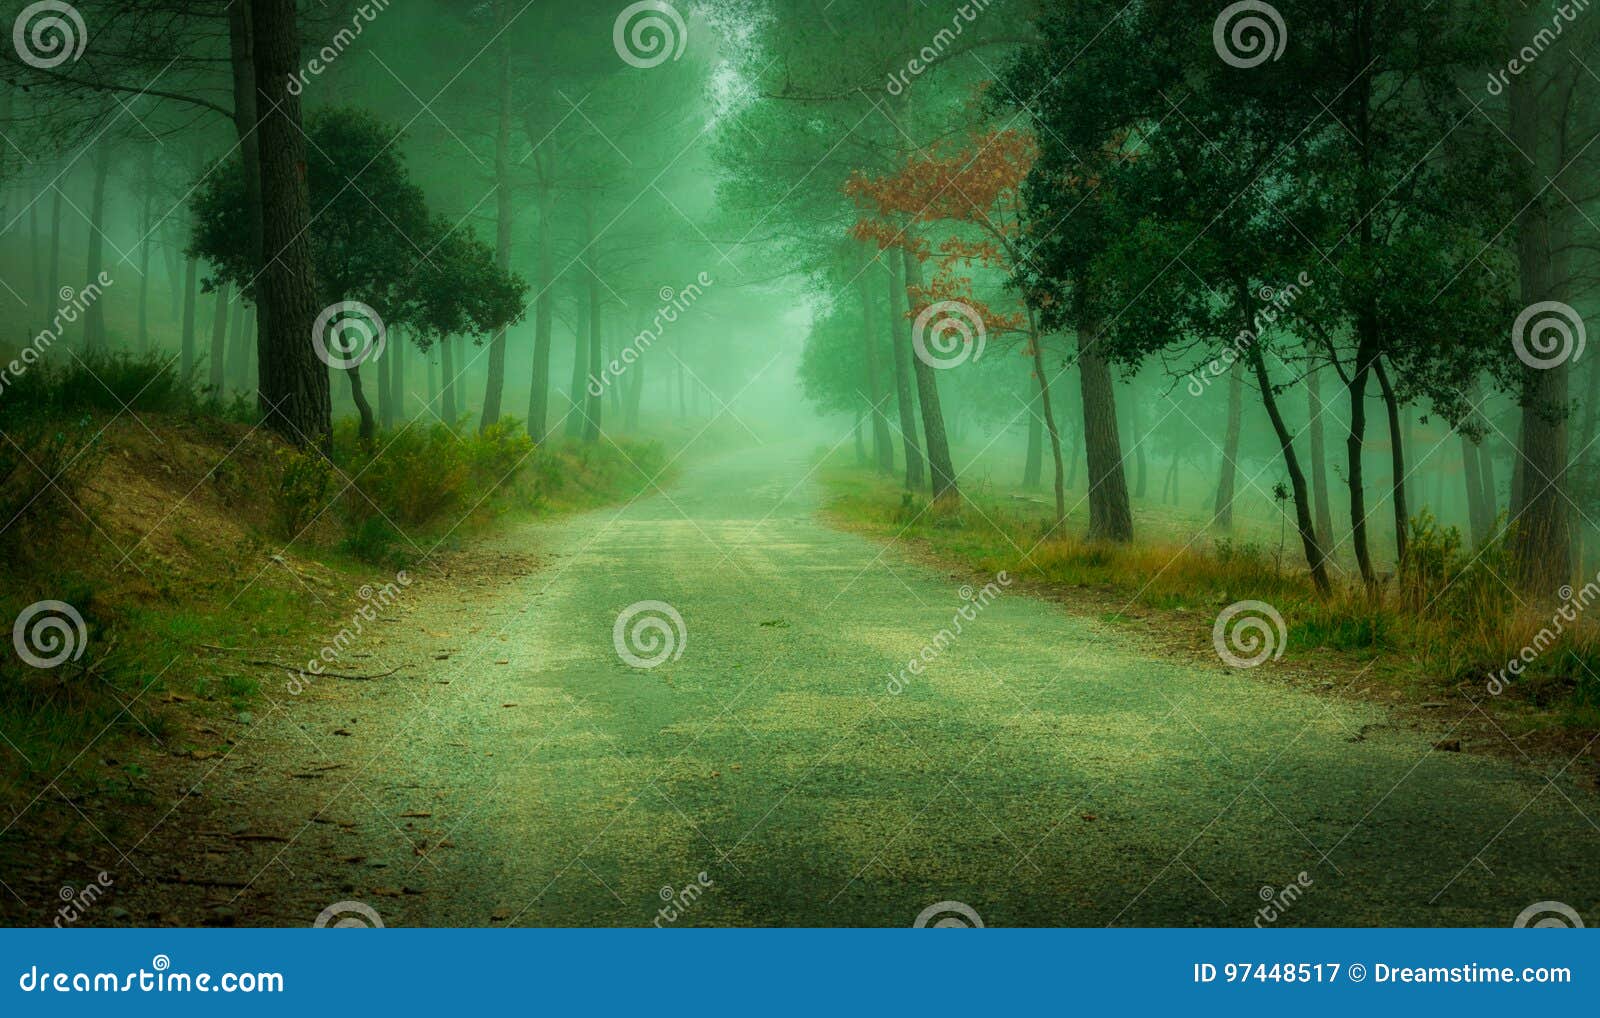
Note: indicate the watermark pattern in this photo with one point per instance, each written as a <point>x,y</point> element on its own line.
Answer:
<point>1258,634</point>
<point>365,15</point>
<point>73,304</point>
<point>976,602</point>
<point>942,40</point>
<point>48,34</point>
<point>156,979</point>
<point>372,600</point>
<point>648,634</point>
<point>649,33</point>
<point>1279,900</point>
<point>1249,33</point>
<point>1543,39</point>
<point>1277,303</point>
<point>77,902</point>
<point>948,915</point>
<point>1548,334</point>
<point>349,915</point>
<point>348,334</point>
<point>679,901</point>
<point>1548,915</point>
<point>49,633</point>
<point>673,304</point>
<point>947,334</point>
<point>1573,604</point>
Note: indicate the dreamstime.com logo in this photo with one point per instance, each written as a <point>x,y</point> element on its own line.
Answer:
<point>348,334</point>
<point>649,33</point>
<point>1549,915</point>
<point>49,33</point>
<point>649,633</point>
<point>948,915</point>
<point>1249,33</point>
<point>1247,633</point>
<point>948,334</point>
<point>49,633</point>
<point>1548,334</point>
<point>348,915</point>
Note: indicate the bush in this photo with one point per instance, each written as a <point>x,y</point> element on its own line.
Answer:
<point>301,493</point>
<point>43,468</point>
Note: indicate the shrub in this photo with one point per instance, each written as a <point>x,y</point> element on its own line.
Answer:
<point>304,479</point>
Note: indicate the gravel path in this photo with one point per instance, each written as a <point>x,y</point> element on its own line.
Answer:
<point>1040,770</point>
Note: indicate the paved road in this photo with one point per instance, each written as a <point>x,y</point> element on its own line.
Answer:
<point>1040,770</point>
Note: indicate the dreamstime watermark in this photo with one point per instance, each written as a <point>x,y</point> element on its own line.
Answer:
<point>1548,915</point>
<point>1548,334</point>
<point>947,334</point>
<point>976,601</point>
<point>649,33</point>
<point>1247,633</point>
<point>73,304</point>
<point>1543,39</point>
<point>673,304</point>
<point>77,902</point>
<point>648,634</point>
<point>348,915</point>
<point>1249,33</point>
<point>48,34</point>
<point>342,40</point>
<point>942,40</point>
<point>679,901</point>
<point>49,633</point>
<point>1276,304</point>
<point>948,915</point>
<point>1573,604</point>
<point>348,334</point>
<point>1279,900</point>
<point>367,614</point>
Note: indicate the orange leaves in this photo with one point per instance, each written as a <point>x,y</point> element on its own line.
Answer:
<point>945,287</point>
<point>972,183</point>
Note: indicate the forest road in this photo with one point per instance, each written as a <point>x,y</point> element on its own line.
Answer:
<point>1041,770</point>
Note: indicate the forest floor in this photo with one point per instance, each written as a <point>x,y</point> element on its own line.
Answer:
<point>1046,767</point>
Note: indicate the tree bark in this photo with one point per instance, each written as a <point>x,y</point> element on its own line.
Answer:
<point>495,386</point>
<point>933,431</point>
<point>900,330</point>
<point>882,449</point>
<point>1227,475</point>
<point>219,341</point>
<point>447,382</point>
<point>295,397</point>
<point>1036,348</point>
<point>1319,459</point>
<point>241,53</point>
<point>1397,462</point>
<point>1110,516</point>
<point>544,317</point>
<point>188,354</point>
<point>1355,444</point>
<point>1315,557</point>
<point>368,431</point>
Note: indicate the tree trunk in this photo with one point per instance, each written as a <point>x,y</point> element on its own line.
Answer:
<point>1319,459</point>
<point>900,331</point>
<point>238,367</point>
<point>219,341</point>
<point>94,316</point>
<point>241,54</point>
<point>1227,476</point>
<point>385,391</point>
<point>1033,464</point>
<point>367,430</point>
<point>188,354</point>
<point>933,433</point>
<point>495,386</point>
<point>1036,345</point>
<point>1315,557</point>
<point>1141,463</point>
<point>544,317</point>
<point>397,380</point>
<point>580,365</point>
<point>146,227</point>
<point>295,397</point>
<point>1355,444</point>
<point>1110,516</point>
<point>447,382</point>
<point>882,447</point>
<point>596,405</point>
<point>1477,513</point>
<point>1397,462</point>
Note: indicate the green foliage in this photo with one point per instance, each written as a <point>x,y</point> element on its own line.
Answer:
<point>305,478</point>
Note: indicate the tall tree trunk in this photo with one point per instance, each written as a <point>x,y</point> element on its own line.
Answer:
<point>94,316</point>
<point>188,354</point>
<point>1033,463</point>
<point>1319,459</point>
<point>1110,516</point>
<point>1227,475</point>
<point>294,382</point>
<point>580,366</point>
<point>596,405</point>
<point>1477,513</point>
<point>900,331</point>
<point>397,380</point>
<point>368,431</point>
<point>53,296</point>
<point>882,447</point>
<point>447,382</point>
<point>238,367</point>
<point>1141,462</point>
<point>933,432</point>
<point>543,319</point>
<point>1355,444</point>
<point>495,386</point>
<point>241,56</point>
<point>386,389</point>
<point>1036,349</point>
<point>1315,556</point>
<point>219,341</point>
<point>146,227</point>
<point>1397,462</point>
